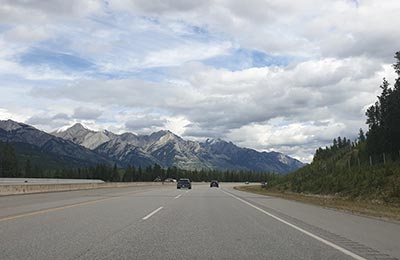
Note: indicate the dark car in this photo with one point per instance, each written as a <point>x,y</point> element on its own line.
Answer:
<point>214,184</point>
<point>183,183</point>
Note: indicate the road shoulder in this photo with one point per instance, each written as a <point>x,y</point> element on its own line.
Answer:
<point>372,209</point>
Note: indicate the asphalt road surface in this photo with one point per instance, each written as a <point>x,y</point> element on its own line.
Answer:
<point>202,223</point>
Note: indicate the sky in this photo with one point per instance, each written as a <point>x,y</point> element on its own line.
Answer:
<point>271,75</point>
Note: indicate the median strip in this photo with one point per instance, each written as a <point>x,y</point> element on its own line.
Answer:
<point>152,213</point>
<point>326,242</point>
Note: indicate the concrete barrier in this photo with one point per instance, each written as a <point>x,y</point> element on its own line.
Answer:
<point>14,189</point>
<point>4,181</point>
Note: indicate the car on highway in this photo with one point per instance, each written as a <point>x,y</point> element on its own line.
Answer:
<point>246,182</point>
<point>214,183</point>
<point>184,183</point>
<point>169,180</point>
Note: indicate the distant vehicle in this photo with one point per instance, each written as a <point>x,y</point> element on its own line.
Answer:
<point>158,179</point>
<point>184,183</point>
<point>246,182</point>
<point>214,183</point>
<point>263,184</point>
<point>169,180</point>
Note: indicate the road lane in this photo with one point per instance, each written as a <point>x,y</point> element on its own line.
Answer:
<point>20,204</point>
<point>66,234</point>
<point>207,224</point>
<point>369,236</point>
<point>164,223</point>
<point>326,242</point>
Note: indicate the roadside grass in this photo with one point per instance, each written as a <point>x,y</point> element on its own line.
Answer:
<point>372,208</point>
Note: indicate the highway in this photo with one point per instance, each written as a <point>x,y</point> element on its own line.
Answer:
<point>202,223</point>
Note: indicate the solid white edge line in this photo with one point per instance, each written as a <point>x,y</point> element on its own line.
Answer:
<point>177,197</point>
<point>341,249</point>
<point>152,213</point>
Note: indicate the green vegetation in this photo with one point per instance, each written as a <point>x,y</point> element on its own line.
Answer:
<point>367,168</point>
<point>17,160</point>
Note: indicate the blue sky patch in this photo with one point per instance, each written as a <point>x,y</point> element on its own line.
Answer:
<point>56,60</point>
<point>244,58</point>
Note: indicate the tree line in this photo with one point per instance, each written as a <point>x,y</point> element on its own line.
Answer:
<point>381,143</point>
<point>383,119</point>
<point>10,166</point>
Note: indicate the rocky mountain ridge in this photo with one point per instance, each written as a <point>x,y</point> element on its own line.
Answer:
<point>19,133</point>
<point>167,149</point>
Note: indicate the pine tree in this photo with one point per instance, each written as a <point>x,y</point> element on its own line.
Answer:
<point>383,118</point>
<point>28,168</point>
<point>140,174</point>
<point>9,162</point>
<point>361,136</point>
<point>396,66</point>
<point>393,113</point>
<point>129,174</point>
<point>335,143</point>
<point>37,172</point>
<point>115,175</point>
<point>339,140</point>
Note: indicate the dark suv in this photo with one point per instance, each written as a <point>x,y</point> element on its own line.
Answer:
<point>184,183</point>
<point>214,184</point>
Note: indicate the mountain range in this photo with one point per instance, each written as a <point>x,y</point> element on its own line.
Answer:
<point>87,147</point>
<point>43,146</point>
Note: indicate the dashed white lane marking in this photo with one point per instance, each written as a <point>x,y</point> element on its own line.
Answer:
<point>152,213</point>
<point>177,197</point>
<point>341,249</point>
<point>187,191</point>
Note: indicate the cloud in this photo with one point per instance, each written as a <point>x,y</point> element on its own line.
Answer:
<point>218,101</point>
<point>183,54</point>
<point>49,121</point>
<point>131,93</point>
<point>282,135</point>
<point>273,74</point>
<point>159,6</point>
<point>306,28</point>
<point>145,123</point>
<point>26,34</point>
<point>86,113</point>
<point>37,11</point>
<point>6,114</point>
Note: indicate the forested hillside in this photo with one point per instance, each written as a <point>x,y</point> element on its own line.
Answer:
<point>368,167</point>
<point>21,160</point>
